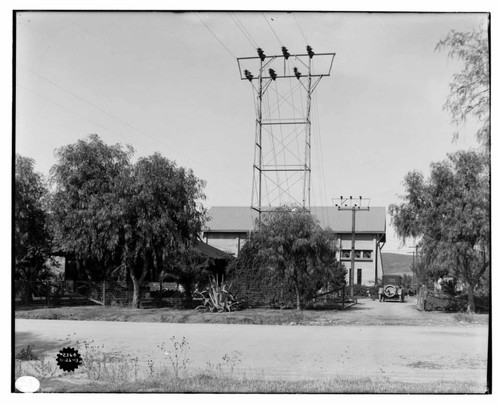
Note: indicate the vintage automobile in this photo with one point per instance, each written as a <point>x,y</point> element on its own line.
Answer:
<point>391,289</point>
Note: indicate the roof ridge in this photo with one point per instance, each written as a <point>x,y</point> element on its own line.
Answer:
<point>242,219</point>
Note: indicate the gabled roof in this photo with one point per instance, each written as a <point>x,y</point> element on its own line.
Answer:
<point>210,251</point>
<point>242,219</point>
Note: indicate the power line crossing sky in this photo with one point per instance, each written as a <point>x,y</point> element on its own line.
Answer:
<point>169,82</point>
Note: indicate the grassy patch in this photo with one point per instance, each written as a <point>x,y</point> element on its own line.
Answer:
<point>350,316</point>
<point>468,317</point>
<point>207,383</point>
<point>425,364</point>
<point>170,371</point>
<point>27,354</point>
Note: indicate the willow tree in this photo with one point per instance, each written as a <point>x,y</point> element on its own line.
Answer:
<point>86,218</point>
<point>469,95</point>
<point>32,237</point>
<point>109,211</point>
<point>449,213</point>
<point>162,217</point>
<point>291,246</point>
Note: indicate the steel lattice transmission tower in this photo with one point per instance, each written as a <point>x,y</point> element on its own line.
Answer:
<point>283,86</point>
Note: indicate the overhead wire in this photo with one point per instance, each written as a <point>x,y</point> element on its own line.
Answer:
<point>271,138</point>
<point>112,116</point>
<point>300,29</point>
<point>215,36</point>
<point>294,130</point>
<point>319,150</point>
<point>281,133</point>
<point>272,29</point>
<point>51,82</point>
<point>82,99</point>
<point>242,28</point>
<point>72,112</point>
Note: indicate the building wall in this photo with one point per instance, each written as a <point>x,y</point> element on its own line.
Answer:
<point>232,242</point>
<point>368,254</point>
<point>229,242</point>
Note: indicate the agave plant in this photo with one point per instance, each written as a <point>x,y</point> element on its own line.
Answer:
<point>216,297</point>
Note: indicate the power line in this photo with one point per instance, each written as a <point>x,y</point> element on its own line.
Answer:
<point>274,32</point>
<point>71,111</point>
<point>86,101</point>
<point>300,29</point>
<point>242,28</point>
<point>215,36</point>
<point>118,134</point>
<point>320,153</point>
<point>94,106</point>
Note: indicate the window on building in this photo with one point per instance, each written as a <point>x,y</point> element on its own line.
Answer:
<point>358,254</point>
<point>359,276</point>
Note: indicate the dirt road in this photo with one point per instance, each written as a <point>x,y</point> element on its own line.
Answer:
<point>400,353</point>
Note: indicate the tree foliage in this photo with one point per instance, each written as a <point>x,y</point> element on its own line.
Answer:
<point>470,89</point>
<point>449,212</point>
<point>32,237</point>
<point>109,211</point>
<point>291,249</point>
<point>162,217</point>
<point>87,217</point>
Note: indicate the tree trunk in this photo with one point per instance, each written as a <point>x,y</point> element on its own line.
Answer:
<point>299,307</point>
<point>471,306</point>
<point>27,293</point>
<point>136,297</point>
<point>136,282</point>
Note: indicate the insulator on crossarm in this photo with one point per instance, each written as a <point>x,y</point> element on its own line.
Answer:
<point>248,75</point>
<point>309,51</point>
<point>261,54</point>
<point>286,54</point>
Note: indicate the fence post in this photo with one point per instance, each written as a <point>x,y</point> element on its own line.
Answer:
<point>47,294</point>
<point>343,297</point>
<point>419,298</point>
<point>104,293</point>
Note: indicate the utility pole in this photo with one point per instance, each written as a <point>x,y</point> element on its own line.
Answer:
<point>282,149</point>
<point>347,204</point>
<point>415,255</point>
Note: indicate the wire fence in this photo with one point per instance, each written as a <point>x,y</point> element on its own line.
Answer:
<point>71,293</point>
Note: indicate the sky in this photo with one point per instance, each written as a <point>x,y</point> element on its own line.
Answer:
<point>169,82</point>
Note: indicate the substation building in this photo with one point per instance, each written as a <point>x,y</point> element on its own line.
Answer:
<point>230,227</point>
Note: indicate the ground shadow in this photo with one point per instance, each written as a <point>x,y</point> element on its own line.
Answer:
<point>38,345</point>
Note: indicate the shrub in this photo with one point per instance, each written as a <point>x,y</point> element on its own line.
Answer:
<point>217,298</point>
<point>255,285</point>
<point>362,290</point>
<point>449,287</point>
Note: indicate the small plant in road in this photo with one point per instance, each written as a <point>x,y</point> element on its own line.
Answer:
<point>231,360</point>
<point>226,367</point>
<point>27,354</point>
<point>177,356</point>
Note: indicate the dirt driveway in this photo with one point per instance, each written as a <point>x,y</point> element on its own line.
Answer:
<point>420,353</point>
